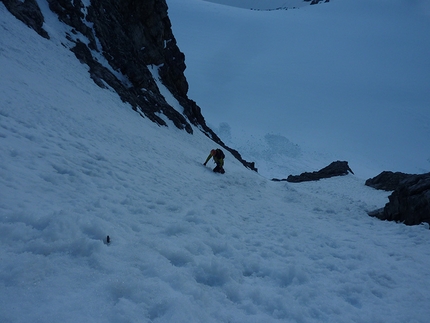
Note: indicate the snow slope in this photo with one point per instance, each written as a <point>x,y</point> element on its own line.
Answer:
<point>345,80</point>
<point>187,245</point>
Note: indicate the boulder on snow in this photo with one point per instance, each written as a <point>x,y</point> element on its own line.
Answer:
<point>387,181</point>
<point>337,168</point>
<point>409,203</point>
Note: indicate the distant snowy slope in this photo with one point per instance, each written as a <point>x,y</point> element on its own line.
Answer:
<point>187,245</point>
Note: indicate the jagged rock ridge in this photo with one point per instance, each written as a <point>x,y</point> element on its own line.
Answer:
<point>132,36</point>
<point>264,5</point>
<point>336,168</point>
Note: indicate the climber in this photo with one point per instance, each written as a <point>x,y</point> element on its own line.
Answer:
<point>218,157</point>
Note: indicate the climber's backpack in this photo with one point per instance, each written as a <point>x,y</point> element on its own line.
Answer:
<point>219,154</point>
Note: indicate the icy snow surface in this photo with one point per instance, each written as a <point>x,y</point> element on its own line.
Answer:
<point>187,245</point>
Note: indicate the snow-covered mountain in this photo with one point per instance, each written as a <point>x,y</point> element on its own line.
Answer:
<point>77,164</point>
<point>128,47</point>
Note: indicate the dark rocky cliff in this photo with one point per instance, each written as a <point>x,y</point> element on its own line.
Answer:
<point>132,36</point>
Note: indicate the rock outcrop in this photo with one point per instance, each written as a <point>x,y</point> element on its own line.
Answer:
<point>136,39</point>
<point>387,181</point>
<point>28,12</point>
<point>410,201</point>
<point>316,1</point>
<point>337,168</point>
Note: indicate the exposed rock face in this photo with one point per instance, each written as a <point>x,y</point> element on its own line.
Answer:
<point>132,36</point>
<point>29,13</point>
<point>337,168</point>
<point>410,201</point>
